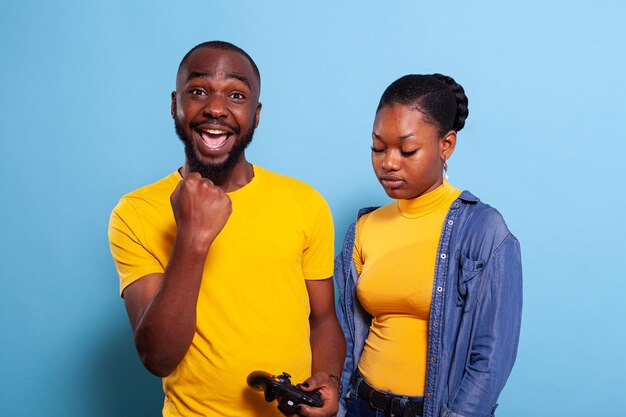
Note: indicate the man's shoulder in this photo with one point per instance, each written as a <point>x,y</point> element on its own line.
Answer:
<point>286,183</point>
<point>153,195</point>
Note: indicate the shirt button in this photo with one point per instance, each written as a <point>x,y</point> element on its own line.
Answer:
<point>443,256</point>
<point>450,222</point>
<point>436,324</point>
<point>430,395</point>
<point>439,289</point>
<point>433,360</point>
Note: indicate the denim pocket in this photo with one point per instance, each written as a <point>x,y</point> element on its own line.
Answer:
<point>469,279</point>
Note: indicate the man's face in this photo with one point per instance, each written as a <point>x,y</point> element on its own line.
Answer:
<point>215,109</point>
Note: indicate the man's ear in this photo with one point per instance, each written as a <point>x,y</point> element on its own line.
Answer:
<point>257,115</point>
<point>173,107</point>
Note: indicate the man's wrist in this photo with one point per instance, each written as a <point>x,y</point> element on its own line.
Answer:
<point>338,379</point>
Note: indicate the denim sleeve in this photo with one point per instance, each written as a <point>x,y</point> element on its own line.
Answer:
<point>340,282</point>
<point>494,344</point>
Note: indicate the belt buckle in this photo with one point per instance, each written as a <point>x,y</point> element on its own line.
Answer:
<point>387,401</point>
<point>369,399</point>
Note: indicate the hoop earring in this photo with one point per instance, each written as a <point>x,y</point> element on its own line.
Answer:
<point>445,169</point>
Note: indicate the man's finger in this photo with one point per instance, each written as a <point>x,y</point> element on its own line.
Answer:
<point>307,411</point>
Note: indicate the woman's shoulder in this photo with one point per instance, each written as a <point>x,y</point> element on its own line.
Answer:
<point>375,211</point>
<point>482,221</point>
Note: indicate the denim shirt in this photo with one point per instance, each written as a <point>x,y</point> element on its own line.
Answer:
<point>475,312</point>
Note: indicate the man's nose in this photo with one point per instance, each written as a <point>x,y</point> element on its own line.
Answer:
<point>215,107</point>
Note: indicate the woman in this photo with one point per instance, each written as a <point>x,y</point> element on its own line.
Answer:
<point>430,286</point>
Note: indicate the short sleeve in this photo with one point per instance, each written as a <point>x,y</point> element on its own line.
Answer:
<point>318,256</point>
<point>127,242</point>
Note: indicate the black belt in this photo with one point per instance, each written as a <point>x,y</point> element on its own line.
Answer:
<point>390,405</point>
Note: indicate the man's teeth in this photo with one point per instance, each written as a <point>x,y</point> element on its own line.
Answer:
<point>214,131</point>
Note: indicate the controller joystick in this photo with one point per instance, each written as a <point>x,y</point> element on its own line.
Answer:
<point>279,387</point>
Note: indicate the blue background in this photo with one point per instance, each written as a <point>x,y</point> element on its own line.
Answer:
<point>85,118</point>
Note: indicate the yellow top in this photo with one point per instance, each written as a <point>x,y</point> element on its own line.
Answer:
<point>395,252</point>
<point>253,307</point>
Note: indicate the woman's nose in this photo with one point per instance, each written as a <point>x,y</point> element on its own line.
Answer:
<point>390,162</point>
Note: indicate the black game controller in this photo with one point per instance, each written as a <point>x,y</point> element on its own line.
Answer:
<point>278,387</point>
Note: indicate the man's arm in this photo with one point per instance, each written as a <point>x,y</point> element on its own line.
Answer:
<point>327,346</point>
<point>327,341</point>
<point>162,307</point>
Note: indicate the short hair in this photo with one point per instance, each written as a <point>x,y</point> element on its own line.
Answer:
<point>438,97</point>
<point>224,46</point>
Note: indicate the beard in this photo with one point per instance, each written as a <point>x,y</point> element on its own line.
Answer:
<point>213,172</point>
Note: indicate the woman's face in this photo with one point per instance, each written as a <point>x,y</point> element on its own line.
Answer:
<point>408,152</point>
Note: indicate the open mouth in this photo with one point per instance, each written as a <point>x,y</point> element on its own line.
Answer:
<point>214,139</point>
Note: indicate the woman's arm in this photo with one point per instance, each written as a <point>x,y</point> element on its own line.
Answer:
<point>494,343</point>
<point>340,279</point>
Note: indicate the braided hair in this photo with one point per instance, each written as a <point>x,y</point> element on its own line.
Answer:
<point>438,97</point>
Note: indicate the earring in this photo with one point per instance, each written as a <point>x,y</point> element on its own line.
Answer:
<point>445,169</point>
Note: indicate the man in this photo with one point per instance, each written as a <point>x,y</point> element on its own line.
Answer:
<point>225,267</point>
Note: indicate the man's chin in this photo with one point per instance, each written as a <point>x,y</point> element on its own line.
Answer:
<point>212,171</point>
<point>213,167</point>
<point>212,162</point>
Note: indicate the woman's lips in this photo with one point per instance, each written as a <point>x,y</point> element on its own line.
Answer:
<point>390,181</point>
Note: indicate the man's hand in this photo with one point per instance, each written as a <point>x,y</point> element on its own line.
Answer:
<point>201,210</point>
<point>328,387</point>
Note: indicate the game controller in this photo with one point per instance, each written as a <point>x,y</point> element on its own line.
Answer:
<point>279,387</point>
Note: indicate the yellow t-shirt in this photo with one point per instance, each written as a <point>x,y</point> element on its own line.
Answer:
<point>395,252</point>
<point>253,306</point>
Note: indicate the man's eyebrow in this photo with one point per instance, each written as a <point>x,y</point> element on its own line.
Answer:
<point>230,75</point>
<point>197,74</point>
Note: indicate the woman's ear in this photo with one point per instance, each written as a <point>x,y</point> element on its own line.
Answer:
<point>447,145</point>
